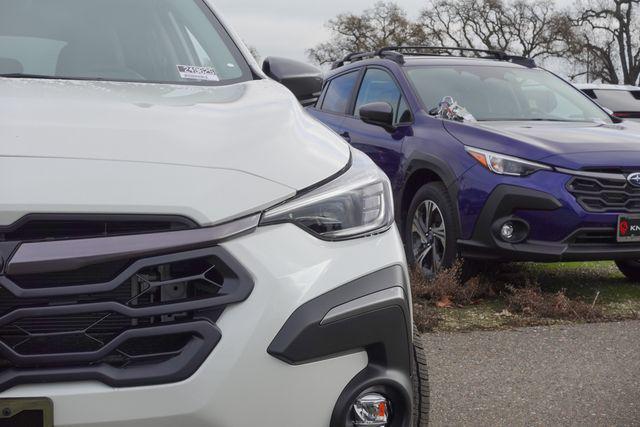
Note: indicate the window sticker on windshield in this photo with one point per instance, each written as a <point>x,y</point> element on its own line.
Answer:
<point>192,72</point>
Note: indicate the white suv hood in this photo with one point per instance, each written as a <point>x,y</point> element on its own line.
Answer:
<point>211,153</point>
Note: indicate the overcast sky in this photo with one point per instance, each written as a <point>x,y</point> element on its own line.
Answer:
<point>289,27</point>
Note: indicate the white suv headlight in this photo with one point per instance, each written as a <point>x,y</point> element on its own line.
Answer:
<point>356,204</point>
<point>505,165</point>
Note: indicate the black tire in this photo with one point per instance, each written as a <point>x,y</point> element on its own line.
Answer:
<point>420,380</point>
<point>631,269</point>
<point>437,193</point>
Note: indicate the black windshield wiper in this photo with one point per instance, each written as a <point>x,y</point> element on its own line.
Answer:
<point>48,77</point>
<point>27,76</point>
<point>556,120</point>
<point>533,120</point>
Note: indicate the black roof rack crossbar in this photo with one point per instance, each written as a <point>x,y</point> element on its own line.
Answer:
<point>423,50</point>
<point>357,56</point>
<point>395,53</point>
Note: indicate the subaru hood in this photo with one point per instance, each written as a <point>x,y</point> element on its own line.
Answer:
<point>256,127</point>
<point>212,153</point>
<point>574,145</point>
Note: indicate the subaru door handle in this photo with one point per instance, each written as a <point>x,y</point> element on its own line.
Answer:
<point>346,136</point>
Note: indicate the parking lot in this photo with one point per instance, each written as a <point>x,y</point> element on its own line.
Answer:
<point>558,375</point>
<point>203,226</point>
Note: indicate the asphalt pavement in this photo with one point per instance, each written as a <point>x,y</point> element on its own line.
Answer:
<point>544,376</point>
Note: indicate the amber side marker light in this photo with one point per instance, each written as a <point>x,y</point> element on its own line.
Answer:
<point>481,158</point>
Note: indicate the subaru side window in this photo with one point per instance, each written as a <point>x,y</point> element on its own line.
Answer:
<point>338,93</point>
<point>379,86</point>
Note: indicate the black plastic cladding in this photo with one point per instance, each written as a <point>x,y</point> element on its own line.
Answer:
<point>199,330</point>
<point>173,221</point>
<point>507,199</point>
<point>385,334</point>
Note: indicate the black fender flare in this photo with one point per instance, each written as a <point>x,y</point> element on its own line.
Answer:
<point>426,162</point>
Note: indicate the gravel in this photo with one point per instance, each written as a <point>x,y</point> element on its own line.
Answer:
<point>559,375</point>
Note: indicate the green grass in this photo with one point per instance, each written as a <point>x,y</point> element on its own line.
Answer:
<point>598,283</point>
<point>586,280</point>
<point>617,296</point>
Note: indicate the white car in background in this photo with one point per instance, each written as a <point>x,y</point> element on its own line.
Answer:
<point>180,243</point>
<point>622,100</point>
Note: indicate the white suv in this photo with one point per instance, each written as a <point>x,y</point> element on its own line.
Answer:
<point>180,243</point>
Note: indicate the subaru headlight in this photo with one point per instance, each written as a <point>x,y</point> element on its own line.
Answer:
<point>505,165</point>
<point>356,204</point>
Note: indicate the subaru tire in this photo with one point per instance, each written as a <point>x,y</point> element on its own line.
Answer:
<point>430,231</point>
<point>630,268</point>
<point>420,379</point>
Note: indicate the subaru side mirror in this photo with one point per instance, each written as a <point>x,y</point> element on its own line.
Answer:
<point>304,80</point>
<point>378,114</point>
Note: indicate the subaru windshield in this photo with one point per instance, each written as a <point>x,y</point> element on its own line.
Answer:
<point>154,41</point>
<point>504,93</point>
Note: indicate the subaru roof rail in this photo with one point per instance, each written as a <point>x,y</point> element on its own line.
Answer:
<point>382,53</point>
<point>397,53</point>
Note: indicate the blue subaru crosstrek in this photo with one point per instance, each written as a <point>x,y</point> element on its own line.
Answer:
<point>491,158</point>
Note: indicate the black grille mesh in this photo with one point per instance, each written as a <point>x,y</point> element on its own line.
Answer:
<point>604,195</point>
<point>594,237</point>
<point>184,280</point>
<point>132,315</point>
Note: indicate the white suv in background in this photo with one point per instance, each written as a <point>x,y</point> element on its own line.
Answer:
<point>623,101</point>
<point>180,243</point>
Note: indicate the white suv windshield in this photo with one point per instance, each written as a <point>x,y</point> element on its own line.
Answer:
<point>504,93</point>
<point>168,41</point>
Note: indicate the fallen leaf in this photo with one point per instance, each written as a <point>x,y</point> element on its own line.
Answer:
<point>444,303</point>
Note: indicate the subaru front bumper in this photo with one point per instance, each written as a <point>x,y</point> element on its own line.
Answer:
<point>305,339</point>
<point>558,225</point>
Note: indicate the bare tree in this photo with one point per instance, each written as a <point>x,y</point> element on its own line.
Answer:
<point>604,40</point>
<point>465,23</point>
<point>522,27</point>
<point>383,25</point>
<point>534,28</point>
<point>254,52</point>
<point>599,39</point>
